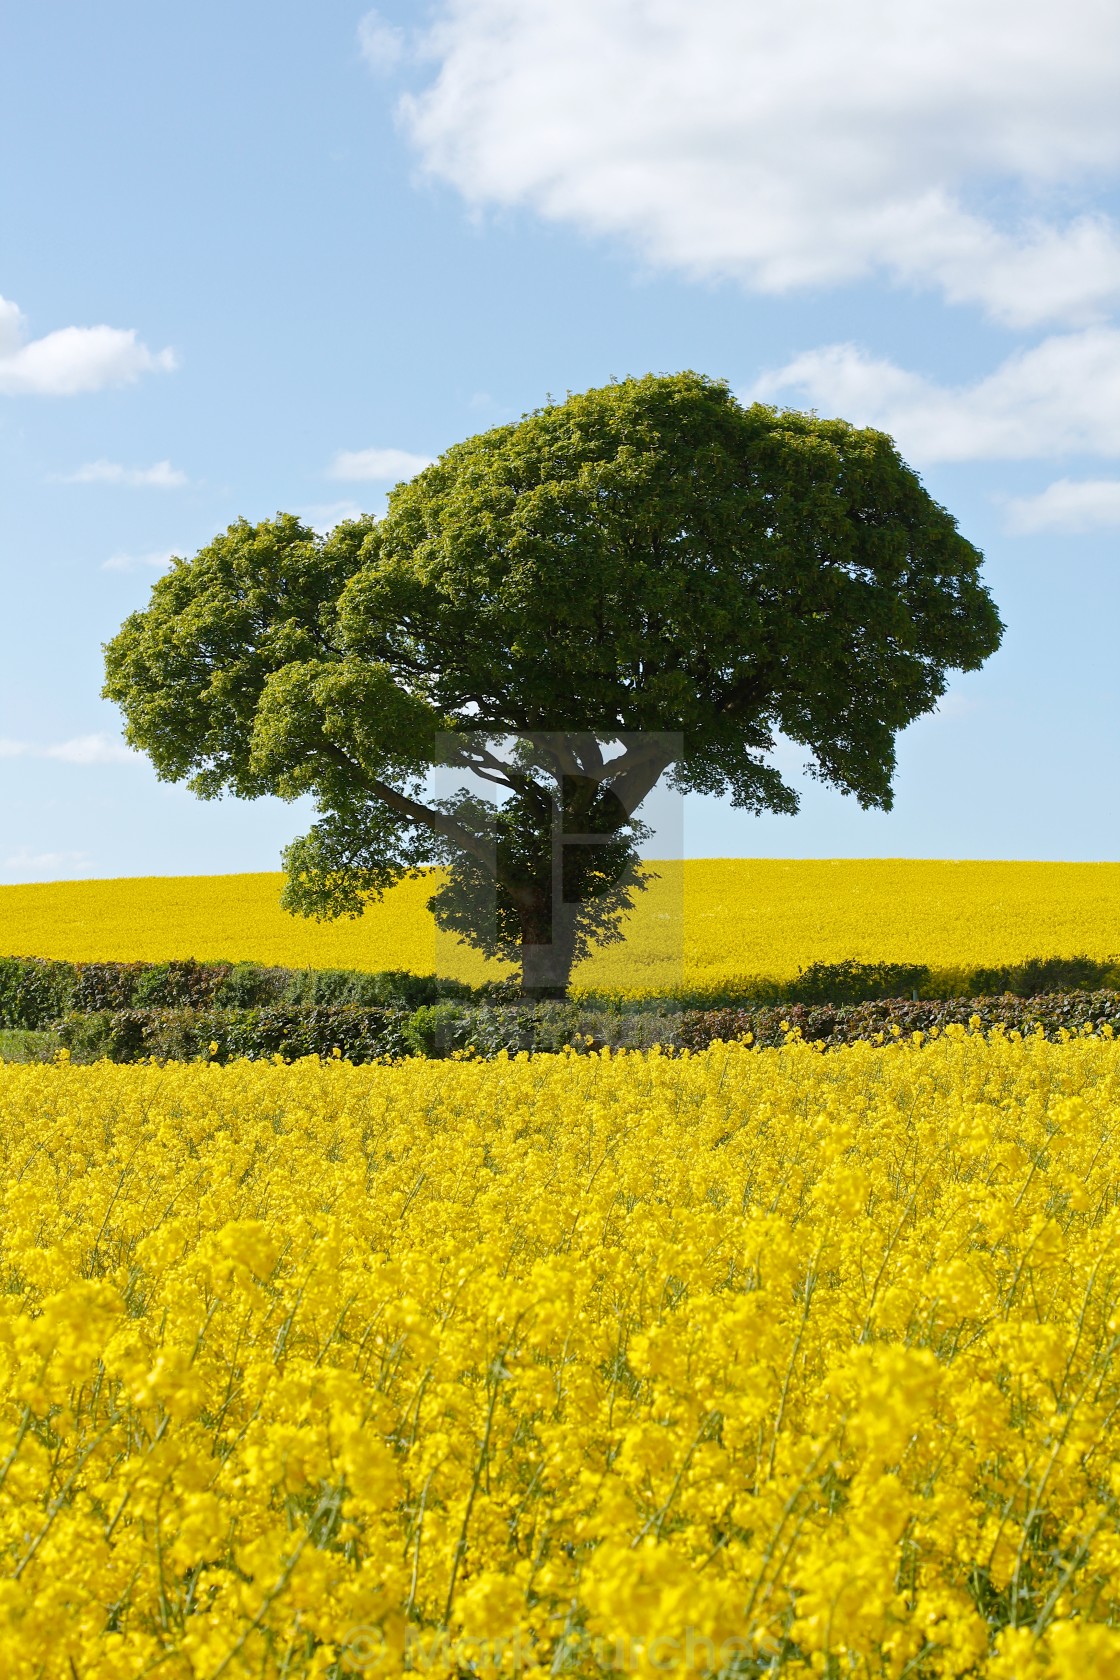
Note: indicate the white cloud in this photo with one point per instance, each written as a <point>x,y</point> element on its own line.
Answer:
<point>800,144</point>
<point>1067,505</point>
<point>34,863</point>
<point>1061,397</point>
<point>161,476</point>
<point>155,559</point>
<point>80,749</point>
<point>91,749</point>
<point>377,466</point>
<point>324,516</point>
<point>72,359</point>
<point>382,44</point>
<point>954,706</point>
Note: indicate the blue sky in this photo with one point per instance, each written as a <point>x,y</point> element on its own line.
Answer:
<point>257,257</point>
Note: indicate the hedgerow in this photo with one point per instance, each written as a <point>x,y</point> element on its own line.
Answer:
<point>451,1029</point>
<point>831,1025</point>
<point>35,992</point>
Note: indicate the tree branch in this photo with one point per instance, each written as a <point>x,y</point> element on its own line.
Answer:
<point>749,690</point>
<point>638,770</point>
<point>437,821</point>
<point>506,775</point>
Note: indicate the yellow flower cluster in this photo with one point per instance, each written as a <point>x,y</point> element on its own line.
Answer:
<point>737,1363</point>
<point>703,923</point>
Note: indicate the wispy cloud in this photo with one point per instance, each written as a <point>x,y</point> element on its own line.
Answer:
<point>72,359</point>
<point>155,560</point>
<point>324,516</point>
<point>80,749</point>
<point>382,44</point>
<point>1061,397</point>
<point>955,706</point>
<point>1074,505</point>
<point>36,863</point>
<point>160,476</point>
<point>377,466</point>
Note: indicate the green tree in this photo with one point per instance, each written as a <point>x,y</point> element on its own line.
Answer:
<point>646,560</point>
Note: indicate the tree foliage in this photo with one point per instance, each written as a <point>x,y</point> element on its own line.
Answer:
<point>649,558</point>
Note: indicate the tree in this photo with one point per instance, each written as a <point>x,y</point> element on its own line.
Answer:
<point>643,561</point>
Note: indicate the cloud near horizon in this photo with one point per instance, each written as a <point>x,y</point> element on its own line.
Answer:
<point>71,360</point>
<point>954,146</point>
<point>25,862</point>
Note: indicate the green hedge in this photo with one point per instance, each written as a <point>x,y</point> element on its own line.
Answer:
<point>449,1028</point>
<point>856,982</point>
<point>184,1035</point>
<point>35,992</point>
<point>832,1025</point>
<point>356,1032</point>
<point>129,1011</point>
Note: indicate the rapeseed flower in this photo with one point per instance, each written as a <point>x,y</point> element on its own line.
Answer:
<point>743,1362</point>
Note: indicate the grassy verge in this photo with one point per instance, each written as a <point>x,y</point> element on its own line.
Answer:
<point>21,1046</point>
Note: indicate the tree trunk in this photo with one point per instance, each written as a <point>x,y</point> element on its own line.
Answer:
<point>545,971</point>
<point>547,949</point>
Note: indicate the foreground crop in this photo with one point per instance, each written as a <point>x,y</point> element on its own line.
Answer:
<point>765,1361</point>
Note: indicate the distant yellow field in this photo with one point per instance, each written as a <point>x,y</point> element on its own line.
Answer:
<point>741,917</point>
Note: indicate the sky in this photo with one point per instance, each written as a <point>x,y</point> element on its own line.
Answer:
<point>262,257</point>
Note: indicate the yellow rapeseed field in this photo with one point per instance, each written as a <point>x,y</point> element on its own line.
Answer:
<point>775,1362</point>
<point>741,918</point>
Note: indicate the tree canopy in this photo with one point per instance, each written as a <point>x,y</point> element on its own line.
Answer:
<point>647,560</point>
